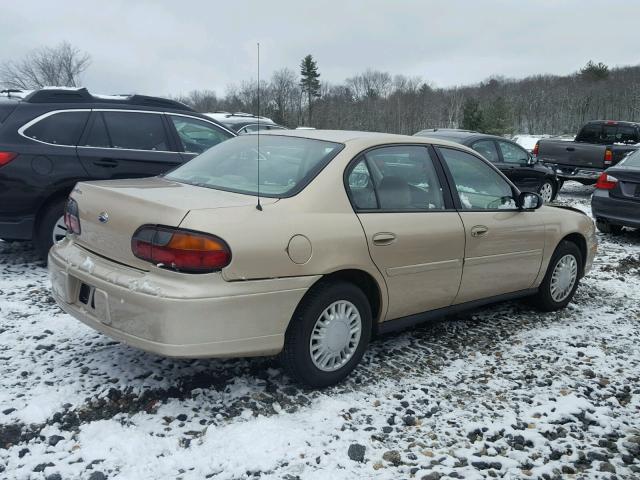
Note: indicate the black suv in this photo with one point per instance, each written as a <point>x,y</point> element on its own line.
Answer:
<point>53,138</point>
<point>511,159</point>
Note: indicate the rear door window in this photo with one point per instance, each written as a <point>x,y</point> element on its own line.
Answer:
<point>61,128</point>
<point>404,178</point>
<point>136,131</point>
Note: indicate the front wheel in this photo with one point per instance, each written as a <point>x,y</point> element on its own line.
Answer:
<point>561,280</point>
<point>547,191</point>
<point>328,334</point>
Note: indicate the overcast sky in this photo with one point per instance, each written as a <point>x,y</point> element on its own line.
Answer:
<point>169,47</point>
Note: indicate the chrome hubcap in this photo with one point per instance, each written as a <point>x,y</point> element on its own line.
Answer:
<point>59,230</point>
<point>335,336</point>
<point>546,192</point>
<point>564,278</point>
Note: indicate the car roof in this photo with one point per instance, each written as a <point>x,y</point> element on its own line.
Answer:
<point>363,138</point>
<point>459,136</point>
<point>613,122</point>
<point>238,118</point>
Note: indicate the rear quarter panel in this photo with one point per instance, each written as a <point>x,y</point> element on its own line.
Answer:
<point>321,214</point>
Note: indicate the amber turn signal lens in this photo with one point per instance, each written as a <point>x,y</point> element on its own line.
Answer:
<point>180,250</point>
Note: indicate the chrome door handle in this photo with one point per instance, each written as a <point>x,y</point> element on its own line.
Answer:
<point>479,231</point>
<point>384,238</point>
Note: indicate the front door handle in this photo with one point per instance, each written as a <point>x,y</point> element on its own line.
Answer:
<point>570,149</point>
<point>384,238</point>
<point>479,231</point>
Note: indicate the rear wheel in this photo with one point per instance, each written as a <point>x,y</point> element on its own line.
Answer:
<point>606,227</point>
<point>50,228</point>
<point>561,280</point>
<point>328,334</point>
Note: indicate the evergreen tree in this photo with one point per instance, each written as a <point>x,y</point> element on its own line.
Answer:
<point>496,120</point>
<point>309,80</point>
<point>472,118</point>
<point>594,71</point>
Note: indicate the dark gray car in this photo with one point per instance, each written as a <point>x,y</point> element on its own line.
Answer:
<point>515,162</point>
<point>616,201</point>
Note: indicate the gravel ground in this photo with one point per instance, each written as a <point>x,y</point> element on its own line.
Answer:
<point>502,392</point>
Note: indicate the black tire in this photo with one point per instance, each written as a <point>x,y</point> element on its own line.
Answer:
<point>552,186</point>
<point>296,354</point>
<point>43,234</point>
<point>544,300</point>
<point>606,227</point>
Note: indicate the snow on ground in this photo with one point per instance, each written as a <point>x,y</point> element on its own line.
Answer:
<point>502,392</point>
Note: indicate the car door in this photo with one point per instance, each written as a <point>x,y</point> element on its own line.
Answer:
<point>127,144</point>
<point>195,135</point>
<point>504,245</point>
<point>515,160</point>
<point>415,237</point>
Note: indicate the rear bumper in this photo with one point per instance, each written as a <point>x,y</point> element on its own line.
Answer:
<point>165,313</point>
<point>566,172</point>
<point>617,211</point>
<point>17,229</point>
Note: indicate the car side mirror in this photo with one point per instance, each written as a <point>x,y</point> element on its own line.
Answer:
<point>529,201</point>
<point>531,160</point>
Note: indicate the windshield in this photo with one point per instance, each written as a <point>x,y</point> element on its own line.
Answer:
<point>286,165</point>
<point>631,160</point>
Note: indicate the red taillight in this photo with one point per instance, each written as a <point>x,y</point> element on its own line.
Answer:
<point>181,250</point>
<point>608,157</point>
<point>72,216</point>
<point>606,182</point>
<point>6,157</point>
<point>535,149</point>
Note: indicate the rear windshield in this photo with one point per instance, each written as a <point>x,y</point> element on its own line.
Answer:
<point>631,160</point>
<point>284,165</point>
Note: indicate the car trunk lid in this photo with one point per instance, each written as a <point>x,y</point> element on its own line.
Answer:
<point>111,211</point>
<point>628,186</point>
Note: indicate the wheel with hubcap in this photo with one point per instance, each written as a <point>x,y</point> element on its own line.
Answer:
<point>50,228</point>
<point>562,278</point>
<point>547,191</point>
<point>328,334</point>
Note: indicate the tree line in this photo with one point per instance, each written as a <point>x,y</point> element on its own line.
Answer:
<point>379,101</point>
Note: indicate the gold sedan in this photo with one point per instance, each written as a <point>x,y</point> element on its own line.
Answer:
<point>307,243</point>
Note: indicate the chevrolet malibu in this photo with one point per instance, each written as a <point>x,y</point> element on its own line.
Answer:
<point>307,243</point>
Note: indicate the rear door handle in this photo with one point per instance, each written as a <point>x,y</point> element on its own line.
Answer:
<point>479,231</point>
<point>106,162</point>
<point>384,238</point>
<point>570,149</point>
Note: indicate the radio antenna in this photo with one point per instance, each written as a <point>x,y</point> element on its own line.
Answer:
<point>258,206</point>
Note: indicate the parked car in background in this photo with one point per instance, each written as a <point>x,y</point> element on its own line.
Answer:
<point>244,122</point>
<point>599,145</point>
<point>357,233</point>
<point>514,161</point>
<point>53,138</point>
<point>616,201</point>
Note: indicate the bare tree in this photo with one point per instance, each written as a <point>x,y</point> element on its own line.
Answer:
<point>47,66</point>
